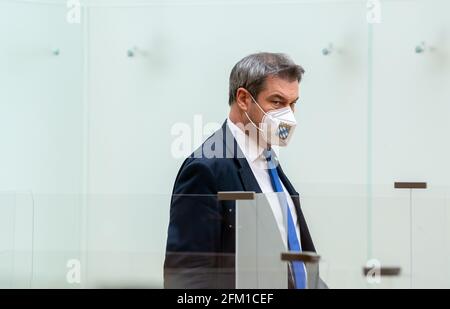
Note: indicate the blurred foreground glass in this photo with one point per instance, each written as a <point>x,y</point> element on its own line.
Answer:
<point>119,241</point>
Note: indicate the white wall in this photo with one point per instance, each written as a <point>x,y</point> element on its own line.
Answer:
<point>41,139</point>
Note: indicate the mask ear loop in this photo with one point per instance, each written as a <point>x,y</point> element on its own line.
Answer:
<point>254,124</point>
<point>258,105</point>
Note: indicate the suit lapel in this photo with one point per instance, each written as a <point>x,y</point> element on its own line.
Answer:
<point>290,188</point>
<point>306,241</point>
<point>248,179</point>
<point>232,150</point>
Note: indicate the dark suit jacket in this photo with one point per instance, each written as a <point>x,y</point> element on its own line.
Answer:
<point>201,236</point>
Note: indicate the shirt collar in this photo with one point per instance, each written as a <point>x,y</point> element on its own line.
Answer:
<point>249,146</point>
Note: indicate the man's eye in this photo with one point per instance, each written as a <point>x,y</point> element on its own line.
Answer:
<point>276,102</point>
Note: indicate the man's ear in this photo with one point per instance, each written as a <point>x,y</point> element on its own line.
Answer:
<point>242,99</point>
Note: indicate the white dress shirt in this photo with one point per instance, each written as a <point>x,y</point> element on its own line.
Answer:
<point>258,164</point>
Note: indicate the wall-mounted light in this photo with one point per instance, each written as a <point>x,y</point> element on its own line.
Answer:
<point>420,48</point>
<point>327,50</point>
<point>131,52</point>
<point>136,51</point>
<point>56,51</point>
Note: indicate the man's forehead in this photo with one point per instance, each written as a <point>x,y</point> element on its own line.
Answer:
<point>276,85</point>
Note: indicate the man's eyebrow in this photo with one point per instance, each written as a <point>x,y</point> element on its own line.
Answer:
<point>277,96</point>
<point>281,97</point>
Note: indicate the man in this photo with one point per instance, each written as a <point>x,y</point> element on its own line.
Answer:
<point>264,89</point>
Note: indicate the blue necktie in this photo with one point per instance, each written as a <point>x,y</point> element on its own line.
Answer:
<point>293,242</point>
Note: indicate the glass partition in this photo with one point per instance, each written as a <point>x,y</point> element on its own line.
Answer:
<point>261,236</point>
<point>16,239</point>
<point>126,240</point>
<point>7,206</point>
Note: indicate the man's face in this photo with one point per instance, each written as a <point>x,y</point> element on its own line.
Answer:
<point>277,93</point>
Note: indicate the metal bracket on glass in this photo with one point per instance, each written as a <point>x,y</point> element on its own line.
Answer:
<point>393,271</point>
<point>306,257</point>
<point>311,262</point>
<point>235,195</point>
<point>410,185</point>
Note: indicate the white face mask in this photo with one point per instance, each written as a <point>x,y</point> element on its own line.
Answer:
<point>277,126</point>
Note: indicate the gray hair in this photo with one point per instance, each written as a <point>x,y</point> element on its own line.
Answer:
<point>252,71</point>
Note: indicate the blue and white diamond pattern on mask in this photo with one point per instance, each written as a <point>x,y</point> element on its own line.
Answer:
<point>283,131</point>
